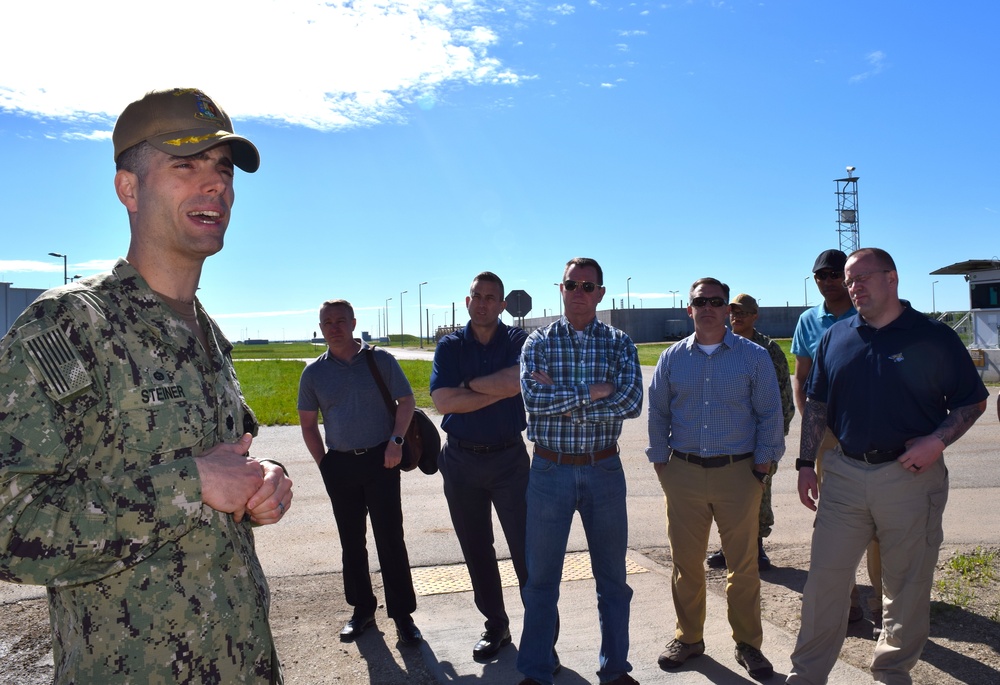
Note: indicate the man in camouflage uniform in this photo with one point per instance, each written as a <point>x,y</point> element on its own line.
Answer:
<point>125,485</point>
<point>742,319</point>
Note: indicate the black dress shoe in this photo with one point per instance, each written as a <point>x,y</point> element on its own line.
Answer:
<point>492,641</point>
<point>355,627</point>
<point>716,560</point>
<point>407,631</point>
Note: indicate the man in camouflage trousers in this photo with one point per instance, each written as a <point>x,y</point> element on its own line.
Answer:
<point>743,312</point>
<point>125,483</point>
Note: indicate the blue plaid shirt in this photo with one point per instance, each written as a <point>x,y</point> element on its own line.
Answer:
<point>724,403</point>
<point>562,417</point>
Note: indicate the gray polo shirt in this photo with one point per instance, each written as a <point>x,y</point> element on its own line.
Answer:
<point>345,393</point>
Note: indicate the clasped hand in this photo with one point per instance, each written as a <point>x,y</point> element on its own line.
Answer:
<point>234,483</point>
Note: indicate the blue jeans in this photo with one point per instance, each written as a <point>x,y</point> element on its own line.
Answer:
<point>555,493</point>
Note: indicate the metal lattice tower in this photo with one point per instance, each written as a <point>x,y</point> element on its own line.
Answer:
<point>847,212</point>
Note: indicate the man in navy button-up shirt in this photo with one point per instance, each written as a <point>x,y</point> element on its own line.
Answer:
<point>475,384</point>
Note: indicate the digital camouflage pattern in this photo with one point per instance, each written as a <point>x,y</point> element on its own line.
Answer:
<point>784,377</point>
<point>105,400</point>
<point>787,411</point>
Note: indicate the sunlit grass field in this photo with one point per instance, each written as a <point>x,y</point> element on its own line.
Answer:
<point>271,387</point>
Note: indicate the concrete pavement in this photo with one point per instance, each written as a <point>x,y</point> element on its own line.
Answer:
<point>306,543</point>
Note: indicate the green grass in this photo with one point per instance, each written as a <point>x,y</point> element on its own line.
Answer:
<point>296,350</point>
<point>963,574</point>
<point>271,387</point>
<point>975,567</point>
<point>649,353</point>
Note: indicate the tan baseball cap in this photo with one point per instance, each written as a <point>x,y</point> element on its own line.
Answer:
<point>182,122</point>
<point>745,302</point>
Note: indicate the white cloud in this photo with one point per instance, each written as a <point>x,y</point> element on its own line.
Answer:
<point>564,9</point>
<point>321,65</point>
<point>876,63</point>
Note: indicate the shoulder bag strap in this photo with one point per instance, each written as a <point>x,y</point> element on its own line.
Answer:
<point>389,404</point>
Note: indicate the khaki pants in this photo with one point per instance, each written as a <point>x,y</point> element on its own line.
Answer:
<point>907,510</point>
<point>873,563</point>
<point>731,495</point>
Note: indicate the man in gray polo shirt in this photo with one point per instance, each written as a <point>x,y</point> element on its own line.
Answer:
<point>360,464</point>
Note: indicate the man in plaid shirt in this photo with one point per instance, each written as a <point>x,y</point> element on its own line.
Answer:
<point>580,379</point>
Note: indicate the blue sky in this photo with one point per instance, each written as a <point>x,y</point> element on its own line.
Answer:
<point>412,141</point>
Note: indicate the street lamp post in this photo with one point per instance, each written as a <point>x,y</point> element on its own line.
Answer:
<point>628,293</point>
<point>805,291</point>
<point>933,300</point>
<point>401,317</point>
<point>387,319</point>
<point>65,266</point>
<point>420,305</point>
<point>673,296</point>
<point>560,298</point>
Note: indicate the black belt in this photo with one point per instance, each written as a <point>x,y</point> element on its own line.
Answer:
<point>711,462</point>
<point>585,459</point>
<point>485,449</point>
<point>875,456</point>
<point>363,450</point>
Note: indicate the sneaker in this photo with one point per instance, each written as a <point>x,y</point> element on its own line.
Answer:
<point>678,652</point>
<point>753,661</point>
<point>716,559</point>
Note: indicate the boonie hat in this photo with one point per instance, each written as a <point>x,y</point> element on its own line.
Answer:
<point>745,302</point>
<point>182,122</point>
<point>830,259</point>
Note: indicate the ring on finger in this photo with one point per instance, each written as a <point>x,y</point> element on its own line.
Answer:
<point>281,505</point>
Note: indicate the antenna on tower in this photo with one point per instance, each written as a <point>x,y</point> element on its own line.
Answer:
<point>847,212</point>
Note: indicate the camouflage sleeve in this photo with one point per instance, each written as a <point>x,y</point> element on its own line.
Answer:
<point>73,508</point>
<point>784,382</point>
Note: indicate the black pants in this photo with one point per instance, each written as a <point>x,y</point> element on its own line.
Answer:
<point>473,483</point>
<point>359,485</point>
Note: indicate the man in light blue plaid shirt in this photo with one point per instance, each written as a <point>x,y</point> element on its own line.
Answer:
<point>715,426</point>
<point>580,379</point>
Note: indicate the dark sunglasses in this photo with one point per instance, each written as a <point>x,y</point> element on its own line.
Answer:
<point>587,286</point>
<point>713,301</point>
<point>826,275</point>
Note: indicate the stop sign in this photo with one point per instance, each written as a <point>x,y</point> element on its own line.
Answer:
<point>518,303</point>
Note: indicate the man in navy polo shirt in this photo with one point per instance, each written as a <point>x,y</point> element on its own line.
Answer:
<point>475,383</point>
<point>896,388</point>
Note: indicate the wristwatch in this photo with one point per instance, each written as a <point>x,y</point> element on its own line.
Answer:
<point>804,464</point>
<point>764,478</point>
<point>396,439</point>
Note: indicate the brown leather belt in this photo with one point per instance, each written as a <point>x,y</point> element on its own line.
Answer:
<point>715,462</point>
<point>576,459</point>
<point>875,457</point>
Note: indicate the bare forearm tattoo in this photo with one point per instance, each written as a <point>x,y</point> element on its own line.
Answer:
<point>957,423</point>
<point>813,427</point>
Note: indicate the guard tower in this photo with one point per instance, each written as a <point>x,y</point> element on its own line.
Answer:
<point>847,212</point>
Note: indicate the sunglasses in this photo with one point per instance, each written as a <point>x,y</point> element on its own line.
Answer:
<point>713,301</point>
<point>588,287</point>
<point>827,275</point>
